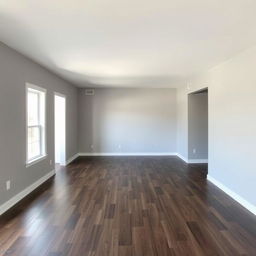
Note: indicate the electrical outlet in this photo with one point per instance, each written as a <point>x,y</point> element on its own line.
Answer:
<point>91,147</point>
<point>119,146</point>
<point>50,162</point>
<point>194,151</point>
<point>8,184</point>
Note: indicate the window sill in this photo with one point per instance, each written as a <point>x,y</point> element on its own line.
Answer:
<point>35,161</point>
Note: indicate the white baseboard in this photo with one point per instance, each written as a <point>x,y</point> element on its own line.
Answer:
<point>14,200</point>
<point>250,207</point>
<point>192,161</point>
<point>189,161</point>
<point>71,159</point>
<point>128,154</point>
<point>182,158</point>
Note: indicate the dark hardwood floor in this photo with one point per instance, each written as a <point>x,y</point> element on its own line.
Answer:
<point>122,206</point>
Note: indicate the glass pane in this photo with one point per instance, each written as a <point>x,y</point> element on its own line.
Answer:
<point>33,142</point>
<point>33,111</point>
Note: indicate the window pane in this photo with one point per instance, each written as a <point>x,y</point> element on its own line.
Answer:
<point>33,142</point>
<point>35,123</point>
<point>33,111</point>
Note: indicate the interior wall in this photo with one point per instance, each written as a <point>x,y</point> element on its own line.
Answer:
<point>127,121</point>
<point>198,126</point>
<point>15,71</point>
<point>182,123</point>
<point>232,122</point>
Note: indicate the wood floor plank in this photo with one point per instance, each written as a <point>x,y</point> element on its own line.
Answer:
<point>128,206</point>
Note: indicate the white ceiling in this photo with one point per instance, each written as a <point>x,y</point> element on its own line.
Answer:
<point>128,43</point>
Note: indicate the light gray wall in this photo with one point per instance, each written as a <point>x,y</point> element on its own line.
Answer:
<point>139,120</point>
<point>232,122</point>
<point>15,71</point>
<point>182,122</point>
<point>198,126</point>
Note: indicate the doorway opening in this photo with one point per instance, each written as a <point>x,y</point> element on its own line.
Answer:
<point>198,127</point>
<point>60,128</point>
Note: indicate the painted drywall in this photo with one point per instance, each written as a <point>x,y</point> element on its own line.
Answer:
<point>15,71</point>
<point>232,122</point>
<point>182,123</point>
<point>127,121</point>
<point>198,126</point>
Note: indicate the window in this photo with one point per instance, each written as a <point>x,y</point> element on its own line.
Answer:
<point>36,148</point>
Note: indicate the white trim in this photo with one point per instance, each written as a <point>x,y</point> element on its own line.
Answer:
<point>36,160</point>
<point>128,154</point>
<point>188,161</point>
<point>182,158</point>
<point>197,161</point>
<point>71,159</point>
<point>44,140</point>
<point>192,161</point>
<point>60,95</point>
<point>35,87</point>
<point>65,127</point>
<point>250,207</point>
<point>14,200</point>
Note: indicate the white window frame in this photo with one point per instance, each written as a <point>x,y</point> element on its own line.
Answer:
<point>42,93</point>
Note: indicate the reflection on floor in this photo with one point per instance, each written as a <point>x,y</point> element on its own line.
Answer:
<point>124,206</point>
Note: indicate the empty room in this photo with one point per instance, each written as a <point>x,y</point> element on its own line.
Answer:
<point>127,128</point>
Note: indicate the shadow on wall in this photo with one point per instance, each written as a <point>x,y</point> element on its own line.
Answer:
<point>26,39</point>
<point>198,125</point>
<point>108,81</point>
